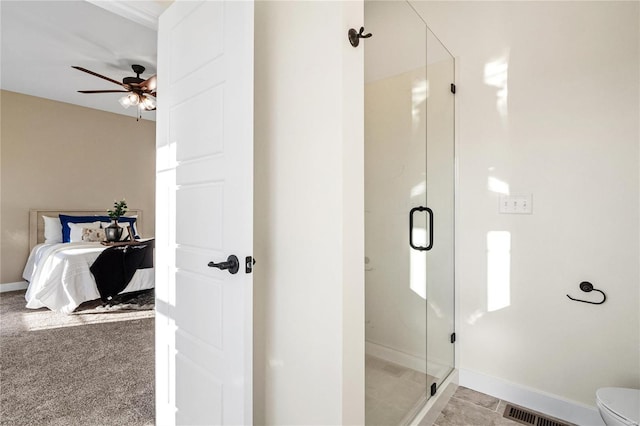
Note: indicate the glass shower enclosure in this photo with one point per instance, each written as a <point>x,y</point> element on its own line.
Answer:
<point>409,212</point>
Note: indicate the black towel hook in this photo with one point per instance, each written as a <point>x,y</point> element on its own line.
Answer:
<point>586,286</point>
<point>354,36</point>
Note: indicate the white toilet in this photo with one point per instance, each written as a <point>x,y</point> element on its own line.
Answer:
<point>619,406</point>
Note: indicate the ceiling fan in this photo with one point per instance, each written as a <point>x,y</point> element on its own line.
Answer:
<point>140,92</point>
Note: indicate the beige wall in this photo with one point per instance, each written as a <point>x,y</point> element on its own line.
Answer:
<point>57,155</point>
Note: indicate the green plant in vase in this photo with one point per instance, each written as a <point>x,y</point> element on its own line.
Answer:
<point>113,232</point>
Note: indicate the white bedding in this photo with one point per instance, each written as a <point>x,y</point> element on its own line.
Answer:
<point>59,276</point>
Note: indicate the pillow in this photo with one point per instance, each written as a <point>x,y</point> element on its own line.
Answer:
<point>93,235</point>
<point>66,219</point>
<point>52,230</point>
<point>76,229</point>
<point>125,229</point>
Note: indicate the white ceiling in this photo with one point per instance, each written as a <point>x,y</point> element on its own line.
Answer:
<point>41,40</point>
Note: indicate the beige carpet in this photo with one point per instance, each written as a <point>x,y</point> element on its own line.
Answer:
<point>93,367</point>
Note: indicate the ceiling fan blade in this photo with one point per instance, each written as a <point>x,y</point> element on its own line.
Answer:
<point>149,85</point>
<point>97,75</point>
<point>103,91</point>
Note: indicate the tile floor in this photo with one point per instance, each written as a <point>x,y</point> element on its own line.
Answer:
<point>392,391</point>
<point>467,407</point>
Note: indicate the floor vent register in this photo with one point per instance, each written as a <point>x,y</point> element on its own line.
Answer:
<point>528,417</point>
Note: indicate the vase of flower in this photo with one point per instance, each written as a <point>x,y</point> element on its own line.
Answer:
<point>113,232</point>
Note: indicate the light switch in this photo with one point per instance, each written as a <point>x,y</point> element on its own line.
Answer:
<point>516,204</point>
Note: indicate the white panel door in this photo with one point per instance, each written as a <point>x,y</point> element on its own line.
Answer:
<point>204,213</point>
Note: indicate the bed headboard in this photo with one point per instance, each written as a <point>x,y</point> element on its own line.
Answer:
<point>36,223</point>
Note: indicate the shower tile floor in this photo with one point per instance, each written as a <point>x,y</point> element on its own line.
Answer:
<point>391,391</point>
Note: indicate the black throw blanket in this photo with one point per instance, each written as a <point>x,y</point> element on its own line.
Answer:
<point>114,267</point>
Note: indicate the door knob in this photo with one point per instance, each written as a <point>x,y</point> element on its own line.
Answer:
<point>232,265</point>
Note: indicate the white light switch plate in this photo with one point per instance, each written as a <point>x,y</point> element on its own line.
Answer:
<point>516,204</point>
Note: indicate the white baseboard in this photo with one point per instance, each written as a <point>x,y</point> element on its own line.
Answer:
<point>404,359</point>
<point>395,356</point>
<point>20,285</point>
<point>552,405</point>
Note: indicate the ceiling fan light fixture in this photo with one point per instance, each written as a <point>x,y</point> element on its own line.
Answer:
<point>148,103</point>
<point>141,92</point>
<point>130,99</point>
<point>134,98</point>
<point>124,101</point>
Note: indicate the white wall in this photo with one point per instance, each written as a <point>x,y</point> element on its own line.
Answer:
<point>309,248</point>
<point>548,98</point>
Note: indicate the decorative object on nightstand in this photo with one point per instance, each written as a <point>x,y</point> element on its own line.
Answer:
<point>113,232</point>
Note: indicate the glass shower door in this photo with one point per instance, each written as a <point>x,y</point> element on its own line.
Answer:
<point>395,182</point>
<point>409,212</point>
<point>440,188</point>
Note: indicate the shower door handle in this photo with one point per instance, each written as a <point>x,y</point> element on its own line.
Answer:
<point>430,213</point>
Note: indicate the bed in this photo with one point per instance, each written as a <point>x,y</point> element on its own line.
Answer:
<point>59,274</point>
